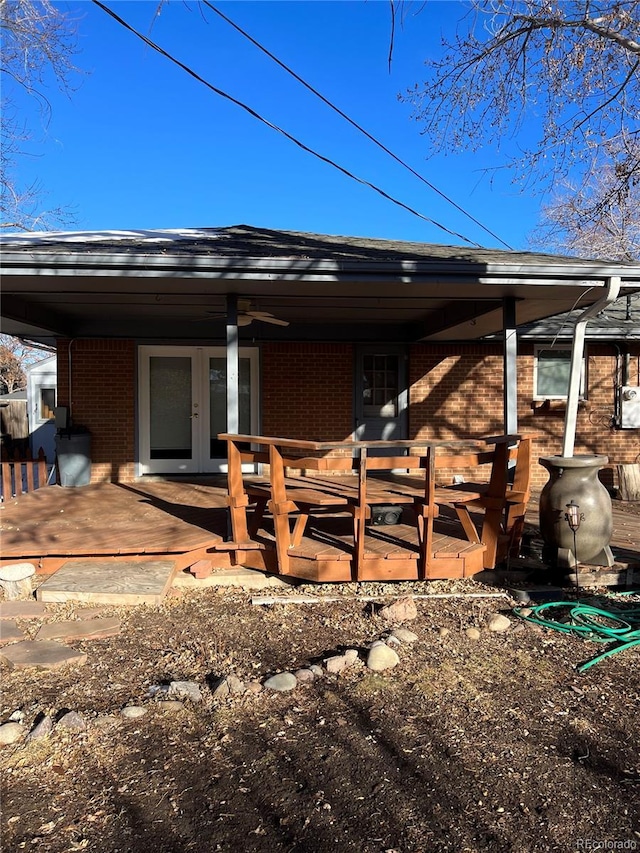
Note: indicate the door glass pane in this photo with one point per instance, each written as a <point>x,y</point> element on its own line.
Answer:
<point>218,402</point>
<point>380,386</point>
<point>170,402</point>
<point>47,404</point>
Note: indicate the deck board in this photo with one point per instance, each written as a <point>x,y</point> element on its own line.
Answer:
<point>110,519</point>
<point>184,519</point>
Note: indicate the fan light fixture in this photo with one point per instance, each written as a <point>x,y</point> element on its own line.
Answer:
<point>246,315</point>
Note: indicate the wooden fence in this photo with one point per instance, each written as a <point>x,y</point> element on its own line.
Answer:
<point>22,473</point>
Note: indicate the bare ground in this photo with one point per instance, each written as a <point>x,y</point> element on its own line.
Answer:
<point>496,744</point>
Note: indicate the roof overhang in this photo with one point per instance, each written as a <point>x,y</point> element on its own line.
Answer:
<point>362,290</point>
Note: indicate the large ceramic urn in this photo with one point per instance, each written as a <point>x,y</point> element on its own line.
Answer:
<point>575,511</point>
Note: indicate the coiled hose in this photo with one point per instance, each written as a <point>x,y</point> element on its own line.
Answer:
<point>620,627</point>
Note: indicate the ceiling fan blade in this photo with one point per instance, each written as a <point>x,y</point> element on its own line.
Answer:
<point>245,317</point>
<point>273,320</point>
<point>266,317</point>
<point>209,316</point>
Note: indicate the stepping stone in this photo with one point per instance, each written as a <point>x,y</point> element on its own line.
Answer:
<point>90,612</point>
<point>235,576</point>
<point>41,654</point>
<point>109,582</point>
<point>21,610</point>
<point>89,629</point>
<point>16,581</point>
<point>10,633</point>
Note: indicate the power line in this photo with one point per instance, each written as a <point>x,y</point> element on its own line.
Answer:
<point>352,122</point>
<point>269,124</point>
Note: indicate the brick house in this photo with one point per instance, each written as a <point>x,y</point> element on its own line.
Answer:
<point>320,337</point>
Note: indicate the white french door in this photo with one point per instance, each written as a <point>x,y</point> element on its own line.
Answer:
<point>182,401</point>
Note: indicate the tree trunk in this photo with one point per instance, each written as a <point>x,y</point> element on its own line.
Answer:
<point>629,482</point>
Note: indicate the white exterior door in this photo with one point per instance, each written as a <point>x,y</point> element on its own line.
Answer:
<point>183,407</point>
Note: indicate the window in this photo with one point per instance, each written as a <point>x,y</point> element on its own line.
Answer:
<point>380,386</point>
<point>47,404</point>
<point>551,374</point>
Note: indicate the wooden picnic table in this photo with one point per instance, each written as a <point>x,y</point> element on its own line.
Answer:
<point>346,477</point>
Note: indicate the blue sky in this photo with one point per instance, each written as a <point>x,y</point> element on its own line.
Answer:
<point>140,144</point>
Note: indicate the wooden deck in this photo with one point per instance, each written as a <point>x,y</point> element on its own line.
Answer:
<point>307,479</point>
<point>389,552</point>
<point>184,521</point>
<point>187,521</point>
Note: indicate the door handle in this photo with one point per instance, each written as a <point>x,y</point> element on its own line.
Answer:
<point>195,415</point>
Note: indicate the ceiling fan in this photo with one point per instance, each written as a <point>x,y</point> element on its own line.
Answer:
<point>247,314</point>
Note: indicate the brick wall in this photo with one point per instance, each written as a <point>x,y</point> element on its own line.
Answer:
<point>455,391</point>
<point>460,394</point>
<point>103,389</point>
<point>307,390</point>
<point>594,431</point>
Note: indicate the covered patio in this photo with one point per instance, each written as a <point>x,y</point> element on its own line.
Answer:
<point>171,342</point>
<point>241,304</point>
<point>194,523</point>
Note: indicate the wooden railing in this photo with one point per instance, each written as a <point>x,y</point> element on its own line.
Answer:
<point>22,473</point>
<point>373,482</point>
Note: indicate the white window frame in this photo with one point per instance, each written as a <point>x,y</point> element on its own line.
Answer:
<point>539,348</point>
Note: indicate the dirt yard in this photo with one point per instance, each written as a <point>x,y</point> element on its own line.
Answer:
<point>490,744</point>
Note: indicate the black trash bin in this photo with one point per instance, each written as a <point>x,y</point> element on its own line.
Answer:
<point>73,450</point>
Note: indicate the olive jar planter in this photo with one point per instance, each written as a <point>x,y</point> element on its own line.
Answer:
<point>583,538</point>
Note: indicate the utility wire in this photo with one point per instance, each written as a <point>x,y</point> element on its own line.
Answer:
<point>352,122</point>
<point>266,122</point>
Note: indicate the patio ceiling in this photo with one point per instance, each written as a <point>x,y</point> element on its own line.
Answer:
<point>166,285</point>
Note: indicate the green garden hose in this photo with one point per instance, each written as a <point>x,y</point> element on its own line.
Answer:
<point>620,627</point>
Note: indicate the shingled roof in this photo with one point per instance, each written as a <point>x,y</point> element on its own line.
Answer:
<point>177,284</point>
<point>619,322</point>
<point>246,241</point>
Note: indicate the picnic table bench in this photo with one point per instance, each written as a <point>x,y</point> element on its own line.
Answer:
<point>310,483</point>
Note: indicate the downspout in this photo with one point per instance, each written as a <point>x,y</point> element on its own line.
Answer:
<point>577,353</point>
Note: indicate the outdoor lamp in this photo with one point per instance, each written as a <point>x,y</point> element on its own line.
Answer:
<point>573,516</point>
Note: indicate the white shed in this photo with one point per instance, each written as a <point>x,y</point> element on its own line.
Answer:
<point>41,402</point>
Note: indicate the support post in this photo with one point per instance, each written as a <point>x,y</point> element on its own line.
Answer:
<point>233,365</point>
<point>510,355</point>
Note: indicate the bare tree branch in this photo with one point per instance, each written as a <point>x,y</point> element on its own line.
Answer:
<point>556,81</point>
<point>593,220</point>
<point>15,357</point>
<point>38,43</point>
